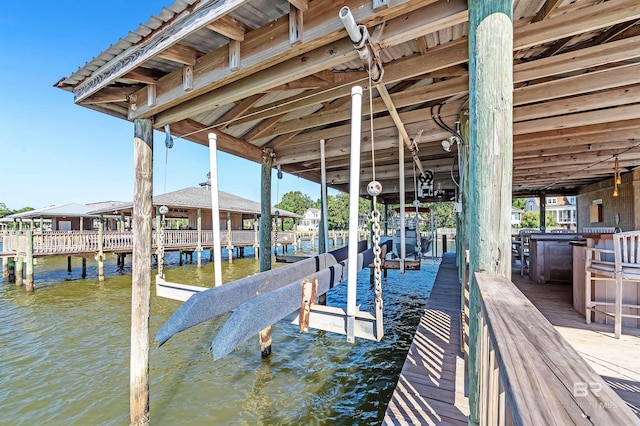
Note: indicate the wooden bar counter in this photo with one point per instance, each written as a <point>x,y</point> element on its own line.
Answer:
<point>551,257</point>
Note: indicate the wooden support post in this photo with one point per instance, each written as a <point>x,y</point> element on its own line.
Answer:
<point>41,224</point>
<point>256,241</point>
<point>141,272</point>
<point>543,212</point>
<point>29,278</point>
<point>101,248</point>
<point>69,264</point>
<point>229,242</point>
<point>491,124</point>
<point>19,266</point>
<point>84,267</point>
<point>180,256</point>
<point>324,216</point>
<point>159,243</point>
<point>265,235</point>
<point>386,224</point>
<point>402,251</point>
<point>199,226</point>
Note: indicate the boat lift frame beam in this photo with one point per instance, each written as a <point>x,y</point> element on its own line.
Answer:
<point>368,52</point>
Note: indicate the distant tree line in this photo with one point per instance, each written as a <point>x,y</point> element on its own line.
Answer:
<point>338,209</point>
<point>5,211</point>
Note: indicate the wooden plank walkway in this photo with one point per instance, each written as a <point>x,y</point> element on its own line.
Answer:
<point>617,361</point>
<point>431,387</point>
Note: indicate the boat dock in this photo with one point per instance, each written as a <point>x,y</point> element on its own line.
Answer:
<point>431,387</point>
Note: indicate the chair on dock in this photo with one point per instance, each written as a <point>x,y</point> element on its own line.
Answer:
<point>521,247</point>
<point>621,264</point>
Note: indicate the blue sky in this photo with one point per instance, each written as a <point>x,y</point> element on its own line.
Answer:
<point>55,152</point>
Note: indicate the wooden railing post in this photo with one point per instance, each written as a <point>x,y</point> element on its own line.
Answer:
<point>141,272</point>
<point>491,140</point>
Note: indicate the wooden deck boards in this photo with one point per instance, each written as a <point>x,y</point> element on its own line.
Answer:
<point>617,361</point>
<point>431,387</point>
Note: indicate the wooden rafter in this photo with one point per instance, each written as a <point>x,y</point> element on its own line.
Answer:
<point>228,27</point>
<point>180,54</point>
<point>546,9</point>
<point>292,63</point>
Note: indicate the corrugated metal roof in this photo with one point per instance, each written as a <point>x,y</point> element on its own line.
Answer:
<point>200,198</point>
<point>71,209</point>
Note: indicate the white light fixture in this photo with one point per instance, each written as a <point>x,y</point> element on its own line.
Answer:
<point>448,142</point>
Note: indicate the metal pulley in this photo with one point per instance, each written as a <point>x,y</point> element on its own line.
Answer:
<point>374,188</point>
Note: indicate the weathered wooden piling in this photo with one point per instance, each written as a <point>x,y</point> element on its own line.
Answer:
<point>229,242</point>
<point>491,131</point>
<point>265,235</point>
<point>19,270</point>
<point>5,259</point>
<point>141,272</point>
<point>100,256</point>
<point>199,227</point>
<point>84,267</point>
<point>29,285</point>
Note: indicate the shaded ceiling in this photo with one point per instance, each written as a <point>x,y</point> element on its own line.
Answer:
<point>277,74</point>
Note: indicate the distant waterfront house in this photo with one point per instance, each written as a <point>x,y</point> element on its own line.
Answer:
<point>562,208</point>
<point>310,220</point>
<point>236,213</point>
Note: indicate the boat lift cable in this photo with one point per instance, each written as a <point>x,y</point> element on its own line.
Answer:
<point>168,144</point>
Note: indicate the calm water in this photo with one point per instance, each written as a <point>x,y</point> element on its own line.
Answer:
<point>64,355</point>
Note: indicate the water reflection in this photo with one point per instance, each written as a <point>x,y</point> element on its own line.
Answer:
<point>64,354</point>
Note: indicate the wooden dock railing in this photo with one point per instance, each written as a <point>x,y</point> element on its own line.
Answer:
<point>77,242</point>
<point>529,374</point>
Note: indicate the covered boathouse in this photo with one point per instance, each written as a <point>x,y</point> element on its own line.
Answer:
<point>477,101</point>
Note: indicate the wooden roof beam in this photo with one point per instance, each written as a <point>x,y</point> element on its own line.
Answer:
<point>226,143</point>
<point>181,54</point>
<point>282,64</point>
<point>436,91</point>
<point>600,100</point>
<point>137,54</point>
<point>591,18</point>
<point>627,112</point>
<point>301,5</point>
<point>555,47</point>
<point>240,108</point>
<point>583,132</point>
<point>546,9</point>
<point>594,143</point>
<point>228,27</point>
<point>416,119</point>
<point>453,54</point>
<point>110,94</point>
<point>143,75</point>
<point>614,31</point>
